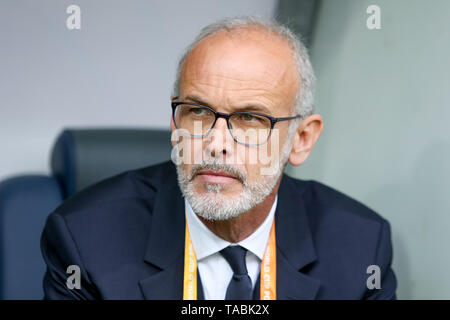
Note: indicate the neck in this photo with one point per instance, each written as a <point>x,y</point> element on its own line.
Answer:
<point>237,229</point>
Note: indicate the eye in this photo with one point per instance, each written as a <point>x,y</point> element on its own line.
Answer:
<point>198,111</point>
<point>248,117</point>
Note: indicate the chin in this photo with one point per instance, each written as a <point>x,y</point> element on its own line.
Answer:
<point>217,190</point>
<point>221,205</point>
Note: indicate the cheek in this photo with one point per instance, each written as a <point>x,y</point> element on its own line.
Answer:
<point>191,151</point>
<point>187,170</point>
<point>276,140</point>
<point>275,145</point>
<point>266,157</point>
<point>252,162</point>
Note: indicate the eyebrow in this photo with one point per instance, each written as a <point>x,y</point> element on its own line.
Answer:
<point>249,107</point>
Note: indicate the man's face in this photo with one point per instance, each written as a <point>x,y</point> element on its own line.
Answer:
<point>230,72</point>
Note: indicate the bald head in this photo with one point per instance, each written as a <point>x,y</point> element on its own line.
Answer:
<point>248,66</point>
<point>270,30</point>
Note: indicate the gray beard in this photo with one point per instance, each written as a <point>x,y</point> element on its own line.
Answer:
<point>214,205</point>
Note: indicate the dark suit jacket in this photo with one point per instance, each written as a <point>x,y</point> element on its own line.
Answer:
<point>126,234</point>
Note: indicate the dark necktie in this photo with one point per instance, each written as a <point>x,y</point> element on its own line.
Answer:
<point>240,287</point>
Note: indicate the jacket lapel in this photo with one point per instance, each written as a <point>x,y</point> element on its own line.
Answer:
<point>165,246</point>
<point>295,249</point>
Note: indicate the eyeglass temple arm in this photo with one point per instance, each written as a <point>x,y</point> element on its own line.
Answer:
<point>287,118</point>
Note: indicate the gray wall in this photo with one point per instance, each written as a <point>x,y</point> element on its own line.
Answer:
<point>117,70</point>
<point>385,97</point>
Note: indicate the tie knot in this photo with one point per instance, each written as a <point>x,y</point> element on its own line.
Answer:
<point>235,256</point>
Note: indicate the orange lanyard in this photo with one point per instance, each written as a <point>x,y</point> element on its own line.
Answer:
<point>268,281</point>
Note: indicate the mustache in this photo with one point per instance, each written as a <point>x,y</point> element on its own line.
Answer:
<point>219,166</point>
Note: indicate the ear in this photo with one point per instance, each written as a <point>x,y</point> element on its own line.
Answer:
<point>305,138</point>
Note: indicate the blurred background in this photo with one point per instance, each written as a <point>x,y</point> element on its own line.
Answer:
<point>384,95</point>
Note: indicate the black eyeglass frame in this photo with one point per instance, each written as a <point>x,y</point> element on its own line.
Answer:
<point>227,117</point>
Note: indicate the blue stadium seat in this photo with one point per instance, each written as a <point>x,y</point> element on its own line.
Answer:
<point>79,158</point>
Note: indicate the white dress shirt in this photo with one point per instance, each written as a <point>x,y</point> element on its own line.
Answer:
<point>215,272</point>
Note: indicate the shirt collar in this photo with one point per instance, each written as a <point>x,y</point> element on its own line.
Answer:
<point>206,243</point>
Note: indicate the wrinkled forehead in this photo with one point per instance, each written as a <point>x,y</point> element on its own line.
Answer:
<point>243,59</point>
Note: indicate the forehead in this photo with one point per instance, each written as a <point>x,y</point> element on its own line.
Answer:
<point>241,64</point>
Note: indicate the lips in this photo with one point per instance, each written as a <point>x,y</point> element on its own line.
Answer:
<point>216,176</point>
<point>215,173</point>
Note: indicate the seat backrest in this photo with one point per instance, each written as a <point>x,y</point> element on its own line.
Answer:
<point>25,203</point>
<point>81,157</point>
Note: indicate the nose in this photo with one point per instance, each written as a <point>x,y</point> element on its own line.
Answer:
<point>219,141</point>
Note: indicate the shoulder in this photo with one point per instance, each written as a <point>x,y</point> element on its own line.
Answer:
<point>340,225</point>
<point>104,228</point>
<point>323,201</point>
<point>138,185</point>
<point>116,210</point>
<point>347,237</point>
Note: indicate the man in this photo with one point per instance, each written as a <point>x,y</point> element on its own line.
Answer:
<point>223,221</point>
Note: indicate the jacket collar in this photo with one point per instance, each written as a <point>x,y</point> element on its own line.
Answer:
<point>165,244</point>
<point>166,236</point>
<point>295,248</point>
<point>165,248</point>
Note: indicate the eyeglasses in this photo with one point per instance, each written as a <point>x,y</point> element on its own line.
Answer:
<point>247,128</point>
